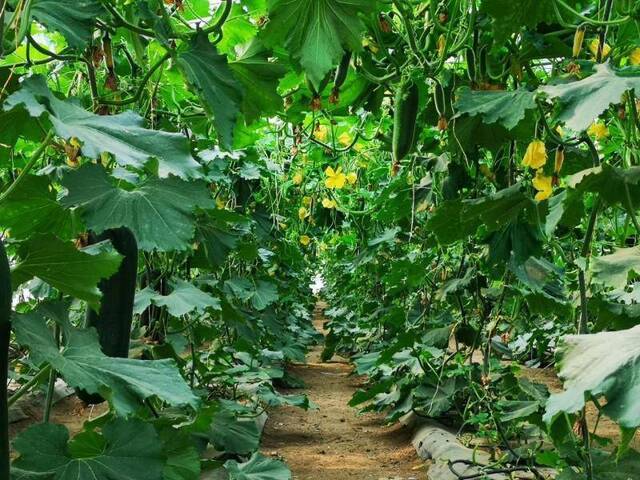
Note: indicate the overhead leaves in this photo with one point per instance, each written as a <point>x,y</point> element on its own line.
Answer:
<point>584,100</point>
<point>121,135</point>
<point>124,382</point>
<point>615,185</point>
<point>260,77</point>
<point>63,266</point>
<point>184,298</point>
<point>613,270</point>
<point>124,450</point>
<point>75,19</point>
<point>316,32</point>
<point>209,74</point>
<point>258,467</point>
<point>504,107</point>
<point>159,213</point>
<point>261,293</point>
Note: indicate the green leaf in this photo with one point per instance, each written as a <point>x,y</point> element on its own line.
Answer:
<point>124,450</point>
<point>456,219</point>
<point>505,108</point>
<point>600,364</point>
<point>260,77</point>
<point>184,298</point>
<point>63,266</point>
<point>75,19</point>
<point>614,184</point>
<point>183,460</point>
<point>261,294</point>
<point>509,17</point>
<point>159,213</point>
<point>258,467</point>
<point>121,135</point>
<point>388,236</point>
<point>584,100</point>
<point>32,208</point>
<point>209,74</point>
<point>316,32</point>
<point>234,434</point>
<point>124,382</point>
<point>613,270</point>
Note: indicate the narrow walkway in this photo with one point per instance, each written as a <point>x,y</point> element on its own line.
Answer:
<point>333,442</point>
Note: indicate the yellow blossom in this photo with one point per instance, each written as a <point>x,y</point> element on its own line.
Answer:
<point>598,130</point>
<point>536,155</point>
<point>302,213</point>
<point>220,203</point>
<point>305,240</point>
<point>593,48</point>
<point>634,56</point>
<point>352,178</point>
<point>335,178</point>
<point>282,225</point>
<point>322,247</point>
<point>298,178</point>
<point>306,201</point>
<point>560,131</point>
<point>321,133</point>
<point>543,184</point>
<point>328,203</point>
<point>345,139</point>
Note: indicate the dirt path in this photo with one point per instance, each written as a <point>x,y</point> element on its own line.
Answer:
<point>333,442</point>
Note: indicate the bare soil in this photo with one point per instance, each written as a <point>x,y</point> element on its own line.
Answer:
<point>334,442</point>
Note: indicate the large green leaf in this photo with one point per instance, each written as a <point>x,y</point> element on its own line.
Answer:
<point>122,135</point>
<point>126,383</point>
<point>159,213</point>
<point>32,208</point>
<point>260,77</point>
<point>124,450</point>
<point>601,364</point>
<point>614,184</point>
<point>506,108</point>
<point>316,32</point>
<point>258,467</point>
<point>209,74</point>
<point>456,219</point>
<point>75,19</point>
<point>613,270</point>
<point>260,293</point>
<point>64,267</point>
<point>184,298</point>
<point>234,434</point>
<point>584,100</point>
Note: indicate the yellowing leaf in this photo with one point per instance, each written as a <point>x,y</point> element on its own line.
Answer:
<point>536,155</point>
<point>345,139</point>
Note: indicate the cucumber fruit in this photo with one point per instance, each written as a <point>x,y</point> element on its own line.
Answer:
<point>5,333</point>
<point>404,120</point>
<point>113,320</point>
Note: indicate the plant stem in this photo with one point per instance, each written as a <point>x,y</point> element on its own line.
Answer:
<point>30,164</point>
<point>53,375</point>
<point>24,389</point>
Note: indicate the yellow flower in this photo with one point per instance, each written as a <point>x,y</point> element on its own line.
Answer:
<point>536,155</point>
<point>593,48</point>
<point>220,203</point>
<point>297,178</point>
<point>560,131</point>
<point>543,184</point>
<point>634,56</point>
<point>306,201</point>
<point>335,178</point>
<point>327,203</point>
<point>598,130</point>
<point>321,133</point>
<point>345,139</point>
<point>302,213</point>
<point>322,247</point>
<point>282,225</point>
<point>352,178</point>
<point>305,240</point>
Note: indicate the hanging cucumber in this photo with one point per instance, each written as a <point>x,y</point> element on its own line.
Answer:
<point>5,333</point>
<point>113,321</point>
<point>404,119</point>
<point>340,77</point>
